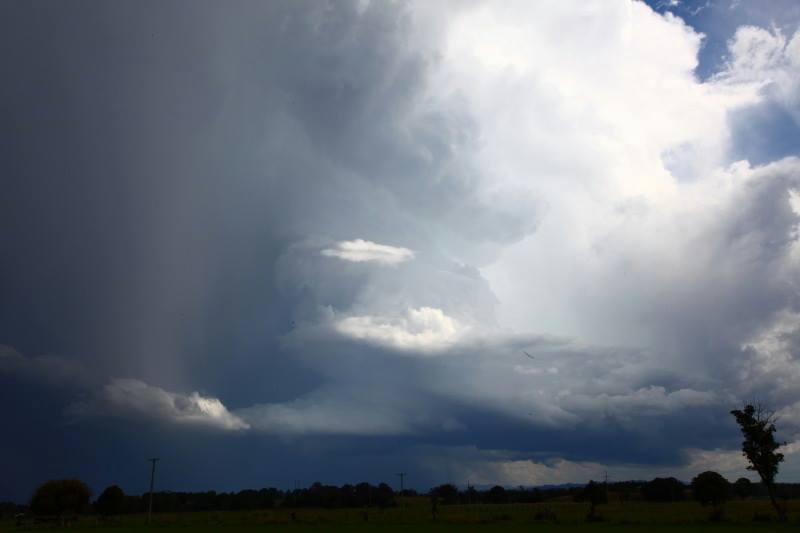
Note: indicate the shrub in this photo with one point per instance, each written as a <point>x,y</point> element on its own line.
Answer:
<point>111,501</point>
<point>710,488</point>
<point>61,497</point>
<point>663,489</point>
<point>447,493</point>
<point>743,488</point>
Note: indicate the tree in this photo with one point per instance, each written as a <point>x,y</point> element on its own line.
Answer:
<point>384,495</point>
<point>447,493</point>
<point>110,502</point>
<point>595,494</point>
<point>497,494</point>
<point>760,448</point>
<point>743,488</point>
<point>710,487</point>
<point>61,497</point>
<point>663,489</point>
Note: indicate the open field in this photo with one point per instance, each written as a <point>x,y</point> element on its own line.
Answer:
<point>415,515</point>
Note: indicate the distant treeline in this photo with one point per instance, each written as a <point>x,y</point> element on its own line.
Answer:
<point>657,490</point>
<point>382,495</point>
<point>317,495</point>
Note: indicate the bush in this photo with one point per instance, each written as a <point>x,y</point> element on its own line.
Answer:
<point>663,489</point>
<point>710,488</point>
<point>743,488</point>
<point>61,497</point>
<point>497,494</point>
<point>447,493</point>
<point>111,501</point>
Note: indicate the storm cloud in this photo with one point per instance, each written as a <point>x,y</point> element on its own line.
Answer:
<point>516,243</point>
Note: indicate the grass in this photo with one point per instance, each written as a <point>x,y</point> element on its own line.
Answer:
<point>415,515</point>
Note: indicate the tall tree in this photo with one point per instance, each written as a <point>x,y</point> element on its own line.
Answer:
<point>760,448</point>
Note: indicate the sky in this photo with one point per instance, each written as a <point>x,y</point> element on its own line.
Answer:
<point>281,242</point>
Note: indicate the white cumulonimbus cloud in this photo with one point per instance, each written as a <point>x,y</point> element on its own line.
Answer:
<point>135,398</point>
<point>560,155</point>
<point>767,60</point>
<point>653,236</point>
<point>425,329</point>
<point>360,250</point>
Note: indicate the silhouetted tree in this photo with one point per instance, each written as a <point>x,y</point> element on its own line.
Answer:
<point>447,494</point>
<point>625,489</point>
<point>497,494</point>
<point>60,498</point>
<point>595,494</point>
<point>663,489</point>
<point>743,488</point>
<point>9,509</point>
<point>710,488</point>
<point>110,502</point>
<point>363,494</point>
<point>760,448</point>
<point>384,495</point>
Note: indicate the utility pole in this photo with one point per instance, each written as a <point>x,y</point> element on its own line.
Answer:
<point>402,477</point>
<point>153,460</point>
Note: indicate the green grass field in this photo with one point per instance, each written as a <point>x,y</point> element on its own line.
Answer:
<point>414,515</point>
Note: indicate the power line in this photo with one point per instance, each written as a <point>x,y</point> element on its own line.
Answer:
<point>402,478</point>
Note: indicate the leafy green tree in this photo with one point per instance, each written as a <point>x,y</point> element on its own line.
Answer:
<point>760,448</point>
<point>61,498</point>
<point>110,502</point>
<point>710,488</point>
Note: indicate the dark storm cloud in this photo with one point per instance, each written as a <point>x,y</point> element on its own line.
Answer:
<point>255,233</point>
<point>158,161</point>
